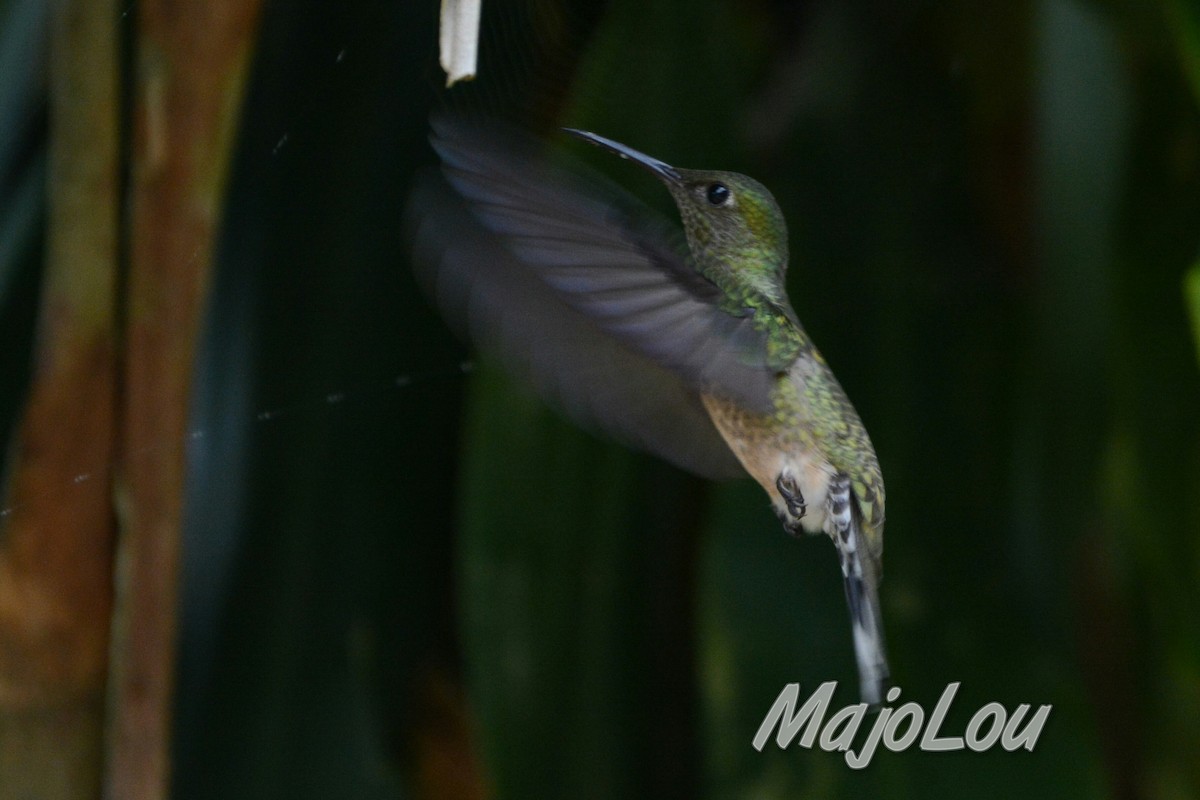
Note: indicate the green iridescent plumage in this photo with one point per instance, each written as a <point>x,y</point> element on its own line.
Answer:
<point>684,346</point>
<point>832,425</point>
<point>744,252</point>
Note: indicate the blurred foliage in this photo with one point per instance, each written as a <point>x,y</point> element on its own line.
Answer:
<point>403,582</point>
<point>1191,288</point>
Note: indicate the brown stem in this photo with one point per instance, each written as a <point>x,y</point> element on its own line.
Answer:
<point>56,548</point>
<point>190,72</point>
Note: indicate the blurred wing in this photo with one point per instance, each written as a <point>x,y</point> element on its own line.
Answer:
<point>608,257</point>
<point>511,315</point>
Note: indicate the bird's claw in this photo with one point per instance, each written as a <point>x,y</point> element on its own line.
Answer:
<point>793,498</point>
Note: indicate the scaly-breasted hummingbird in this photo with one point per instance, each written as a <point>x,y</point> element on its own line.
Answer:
<point>683,346</point>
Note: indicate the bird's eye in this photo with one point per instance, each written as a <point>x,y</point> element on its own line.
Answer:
<point>717,194</point>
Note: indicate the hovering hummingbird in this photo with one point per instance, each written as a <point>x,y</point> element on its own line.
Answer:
<point>685,346</point>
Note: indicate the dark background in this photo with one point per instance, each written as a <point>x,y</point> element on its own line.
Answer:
<point>407,578</point>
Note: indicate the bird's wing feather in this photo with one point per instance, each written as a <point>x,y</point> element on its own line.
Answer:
<point>513,316</point>
<point>609,258</point>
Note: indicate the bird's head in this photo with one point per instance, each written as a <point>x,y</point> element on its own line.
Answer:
<point>731,220</point>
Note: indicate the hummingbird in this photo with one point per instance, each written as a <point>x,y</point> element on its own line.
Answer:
<point>676,339</point>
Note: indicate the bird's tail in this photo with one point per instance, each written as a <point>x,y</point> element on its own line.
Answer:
<point>860,573</point>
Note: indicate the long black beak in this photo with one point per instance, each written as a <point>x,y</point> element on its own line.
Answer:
<point>659,168</point>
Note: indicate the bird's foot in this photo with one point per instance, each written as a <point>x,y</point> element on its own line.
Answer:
<point>789,523</point>
<point>793,498</point>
